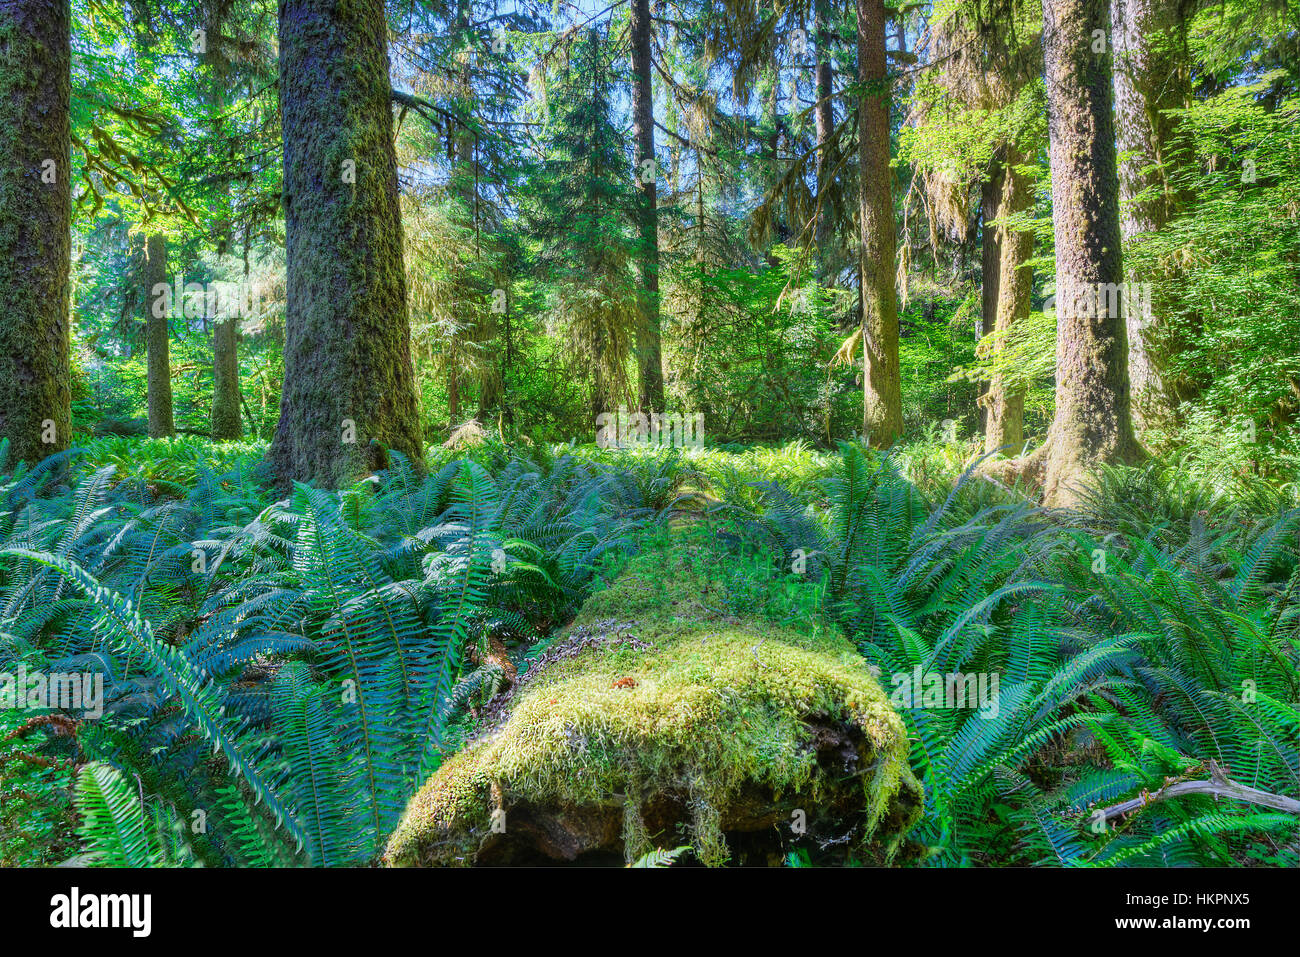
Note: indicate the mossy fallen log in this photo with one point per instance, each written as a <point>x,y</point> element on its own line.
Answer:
<point>659,720</point>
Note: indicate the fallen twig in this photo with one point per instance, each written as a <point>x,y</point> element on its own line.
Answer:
<point>1218,786</point>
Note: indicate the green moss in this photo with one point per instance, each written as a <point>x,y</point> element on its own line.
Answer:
<point>667,694</point>
<point>347,352</point>
<point>35,237</point>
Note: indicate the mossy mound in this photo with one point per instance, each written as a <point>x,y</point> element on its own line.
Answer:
<point>659,720</point>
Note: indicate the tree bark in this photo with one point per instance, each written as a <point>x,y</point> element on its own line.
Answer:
<point>463,143</point>
<point>649,334</point>
<point>990,266</point>
<point>348,371</point>
<point>1151,79</point>
<point>35,227</point>
<point>489,394</point>
<point>453,387</point>
<point>158,340</point>
<point>1092,422</point>
<point>1005,402</point>
<point>824,120</point>
<point>882,414</point>
<point>226,423</point>
<point>991,192</point>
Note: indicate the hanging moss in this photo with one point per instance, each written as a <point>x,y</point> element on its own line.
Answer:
<point>657,720</point>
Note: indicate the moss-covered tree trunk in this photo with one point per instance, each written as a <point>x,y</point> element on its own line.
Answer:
<point>637,730</point>
<point>348,378</point>
<point>649,346</point>
<point>453,386</point>
<point>1092,422</point>
<point>1151,80</point>
<point>990,266</point>
<point>35,227</point>
<point>1005,400</point>
<point>601,400</point>
<point>157,339</point>
<point>882,413</point>
<point>990,244</point>
<point>227,423</point>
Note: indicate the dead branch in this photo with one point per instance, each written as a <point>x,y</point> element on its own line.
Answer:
<point>1218,786</point>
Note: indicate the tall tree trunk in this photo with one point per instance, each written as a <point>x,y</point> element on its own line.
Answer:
<point>1092,422</point>
<point>507,371</point>
<point>489,387</point>
<point>649,347</point>
<point>882,413</point>
<point>226,421</point>
<point>463,143</point>
<point>824,120</point>
<point>453,387</point>
<point>348,372</point>
<point>600,398</point>
<point>990,265</point>
<point>1005,402</point>
<point>158,340</point>
<point>1151,79</point>
<point>35,227</point>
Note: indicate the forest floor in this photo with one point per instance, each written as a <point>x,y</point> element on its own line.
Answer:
<point>1113,684</point>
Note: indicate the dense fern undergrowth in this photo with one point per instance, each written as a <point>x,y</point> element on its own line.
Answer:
<point>281,674</point>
